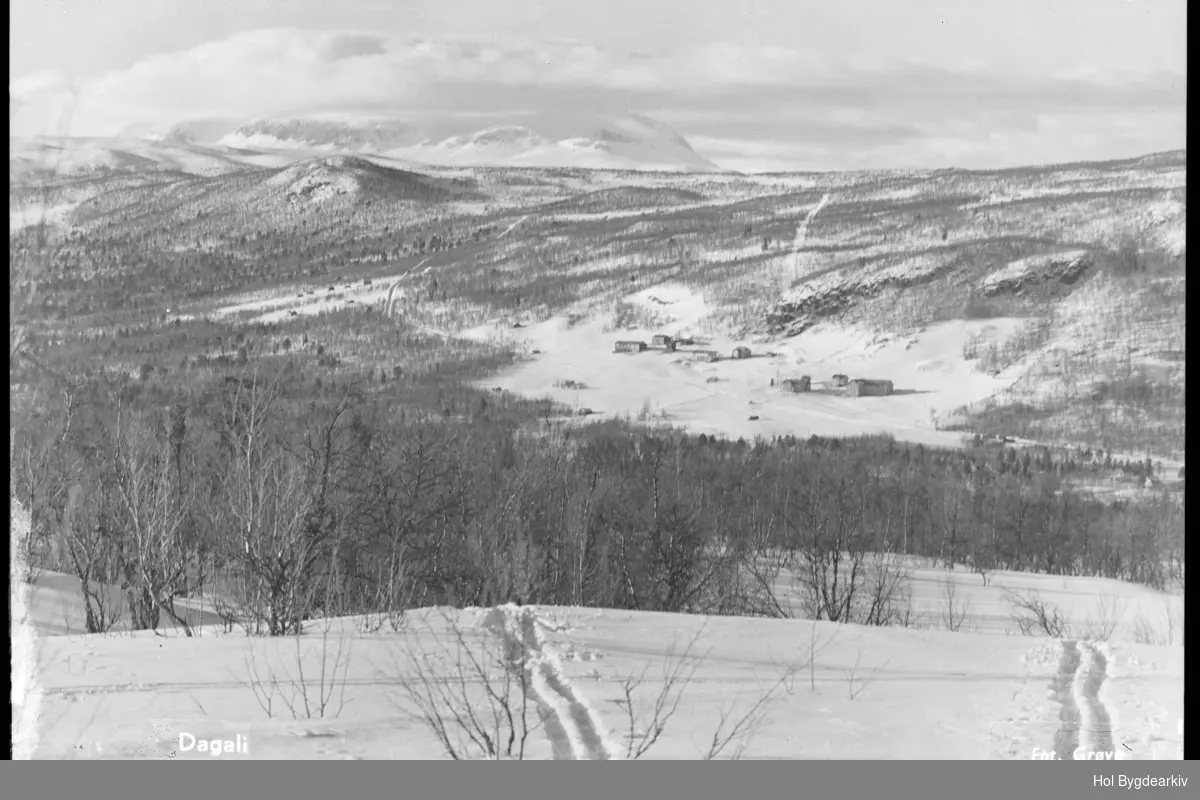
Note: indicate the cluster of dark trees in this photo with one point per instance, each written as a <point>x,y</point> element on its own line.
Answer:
<point>131,258</point>
<point>285,501</point>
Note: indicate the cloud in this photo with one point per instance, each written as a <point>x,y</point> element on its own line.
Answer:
<point>835,102</point>
<point>43,102</point>
<point>39,84</point>
<point>967,143</point>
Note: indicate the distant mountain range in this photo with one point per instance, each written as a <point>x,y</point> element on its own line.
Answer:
<point>628,142</point>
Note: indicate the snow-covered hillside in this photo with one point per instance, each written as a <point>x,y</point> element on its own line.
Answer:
<point>832,691</point>
<point>80,156</point>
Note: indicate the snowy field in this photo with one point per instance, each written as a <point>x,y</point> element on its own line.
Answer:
<point>833,691</point>
<point>928,371</point>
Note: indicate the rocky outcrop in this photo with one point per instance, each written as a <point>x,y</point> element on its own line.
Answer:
<point>1065,268</point>
<point>793,316</point>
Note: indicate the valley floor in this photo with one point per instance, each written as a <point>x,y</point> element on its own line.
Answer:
<point>928,371</point>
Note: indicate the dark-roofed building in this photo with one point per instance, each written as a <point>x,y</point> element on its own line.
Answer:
<point>860,387</point>
<point>840,380</point>
<point>741,352</point>
<point>801,384</point>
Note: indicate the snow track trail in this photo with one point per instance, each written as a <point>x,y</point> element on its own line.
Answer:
<point>573,728</point>
<point>1066,738</point>
<point>1095,722</point>
<point>1085,725</point>
<point>510,228</point>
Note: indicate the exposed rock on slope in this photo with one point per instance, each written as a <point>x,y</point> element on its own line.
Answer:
<point>1066,268</point>
<point>836,291</point>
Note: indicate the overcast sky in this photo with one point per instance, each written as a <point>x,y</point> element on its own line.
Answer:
<point>752,84</point>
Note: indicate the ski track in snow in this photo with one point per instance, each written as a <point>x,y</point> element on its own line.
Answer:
<point>1096,727</point>
<point>1085,725</point>
<point>510,228</point>
<point>1066,738</point>
<point>573,728</point>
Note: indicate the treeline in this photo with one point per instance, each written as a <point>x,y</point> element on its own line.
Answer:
<point>282,505</point>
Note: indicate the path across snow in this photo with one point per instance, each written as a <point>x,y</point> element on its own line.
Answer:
<point>574,729</point>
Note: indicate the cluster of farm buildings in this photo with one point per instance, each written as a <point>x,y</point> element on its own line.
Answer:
<point>855,387</point>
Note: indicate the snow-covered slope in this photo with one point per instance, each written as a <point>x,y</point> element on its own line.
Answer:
<point>90,155</point>
<point>832,691</point>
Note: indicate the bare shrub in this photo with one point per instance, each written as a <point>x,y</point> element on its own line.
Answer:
<point>807,660</point>
<point>954,611</point>
<point>857,685</point>
<point>738,731</point>
<point>855,586</point>
<point>646,727</point>
<point>305,697</point>
<point>393,596</point>
<point>1110,609</point>
<point>477,704</point>
<point>1149,631</point>
<point>1145,632</point>
<point>887,599</point>
<point>981,565</point>
<point>906,615</point>
<point>1031,613</point>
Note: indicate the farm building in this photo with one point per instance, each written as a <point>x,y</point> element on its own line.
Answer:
<point>661,340</point>
<point>708,355</point>
<point>801,384</point>
<point>741,352</point>
<point>840,380</point>
<point>629,347</point>
<point>863,386</point>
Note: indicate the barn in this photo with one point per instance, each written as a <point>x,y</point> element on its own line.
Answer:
<point>796,385</point>
<point>840,380</point>
<point>629,347</point>
<point>661,340</point>
<point>860,387</point>
<point>708,355</point>
<point>741,352</point>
